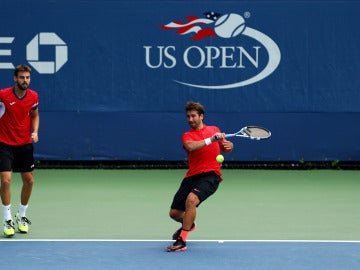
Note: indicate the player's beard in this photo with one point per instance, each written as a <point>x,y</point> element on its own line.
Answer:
<point>194,124</point>
<point>22,86</point>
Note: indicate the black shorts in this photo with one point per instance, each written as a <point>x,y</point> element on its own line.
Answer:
<point>16,158</point>
<point>203,185</point>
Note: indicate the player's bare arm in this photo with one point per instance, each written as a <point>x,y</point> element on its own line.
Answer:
<point>35,121</point>
<point>196,145</point>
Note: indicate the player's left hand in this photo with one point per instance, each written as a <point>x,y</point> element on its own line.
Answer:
<point>227,145</point>
<point>34,137</point>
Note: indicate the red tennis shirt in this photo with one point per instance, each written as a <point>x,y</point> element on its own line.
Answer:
<point>204,159</point>
<point>15,123</point>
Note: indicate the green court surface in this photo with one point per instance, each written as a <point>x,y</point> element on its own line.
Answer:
<point>249,205</point>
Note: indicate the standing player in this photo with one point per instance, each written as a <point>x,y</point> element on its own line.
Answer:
<point>203,177</point>
<point>19,124</point>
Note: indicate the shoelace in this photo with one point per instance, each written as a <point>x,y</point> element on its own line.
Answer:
<point>10,224</point>
<point>25,220</point>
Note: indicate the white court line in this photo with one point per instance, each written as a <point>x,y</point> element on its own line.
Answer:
<point>147,240</point>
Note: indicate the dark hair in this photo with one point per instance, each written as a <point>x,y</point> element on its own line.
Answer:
<point>195,106</point>
<point>21,68</point>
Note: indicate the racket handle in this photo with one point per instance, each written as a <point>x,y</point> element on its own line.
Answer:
<point>226,136</point>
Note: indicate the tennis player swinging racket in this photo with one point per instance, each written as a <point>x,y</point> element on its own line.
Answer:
<point>202,144</point>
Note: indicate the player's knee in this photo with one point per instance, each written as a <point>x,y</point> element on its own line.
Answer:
<point>28,179</point>
<point>175,214</point>
<point>5,178</point>
<point>192,200</point>
<point>30,182</point>
<point>5,183</point>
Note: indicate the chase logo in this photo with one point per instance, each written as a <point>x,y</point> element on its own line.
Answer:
<point>47,39</point>
<point>241,55</point>
<point>49,63</point>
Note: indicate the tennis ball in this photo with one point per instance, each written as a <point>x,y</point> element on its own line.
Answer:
<point>220,158</point>
<point>229,25</point>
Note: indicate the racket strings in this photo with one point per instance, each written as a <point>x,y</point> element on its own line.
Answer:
<point>257,132</point>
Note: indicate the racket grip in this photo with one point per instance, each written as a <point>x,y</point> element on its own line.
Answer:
<point>226,136</point>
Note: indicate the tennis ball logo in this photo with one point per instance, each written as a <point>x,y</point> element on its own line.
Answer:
<point>229,25</point>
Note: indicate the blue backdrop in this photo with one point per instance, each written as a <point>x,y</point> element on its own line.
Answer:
<point>113,76</point>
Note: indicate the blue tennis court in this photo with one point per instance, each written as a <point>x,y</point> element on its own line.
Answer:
<point>127,254</point>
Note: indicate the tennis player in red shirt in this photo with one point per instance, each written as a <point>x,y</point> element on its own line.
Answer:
<point>19,125</point>
<point>203,176</point>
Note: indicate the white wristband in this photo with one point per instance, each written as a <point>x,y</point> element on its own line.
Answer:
<point>208,141</point>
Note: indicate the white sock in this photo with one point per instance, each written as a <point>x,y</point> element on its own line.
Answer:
<point>7,212</point>
<point>22,210</point>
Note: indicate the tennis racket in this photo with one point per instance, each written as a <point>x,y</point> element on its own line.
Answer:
<point>251,132</point>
